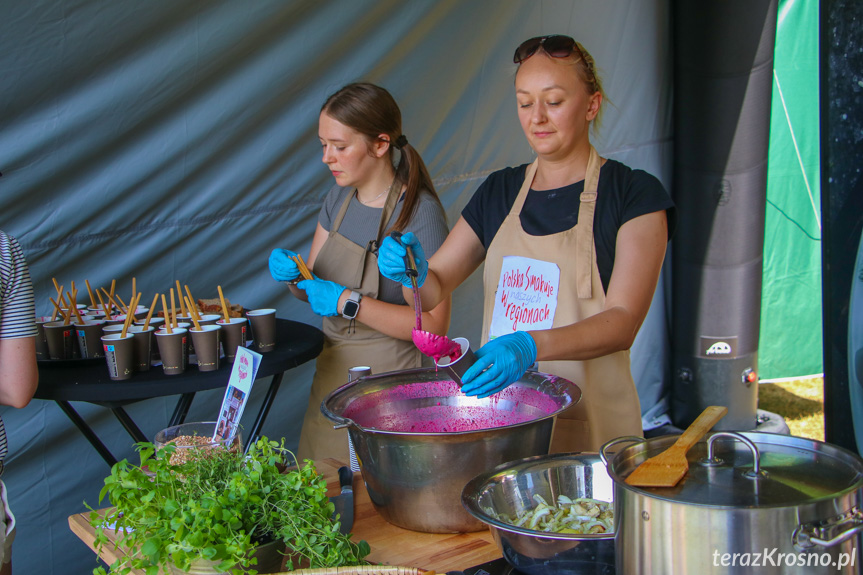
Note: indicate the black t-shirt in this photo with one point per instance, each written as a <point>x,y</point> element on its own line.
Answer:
<point>623,194</point>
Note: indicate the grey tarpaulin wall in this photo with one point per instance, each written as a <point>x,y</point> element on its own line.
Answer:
<point>177,140</point>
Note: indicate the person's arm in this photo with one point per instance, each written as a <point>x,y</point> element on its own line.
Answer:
<point>640,251</point>
<point>398,321</point>
<point>457,258</point>
<point>19,374</point>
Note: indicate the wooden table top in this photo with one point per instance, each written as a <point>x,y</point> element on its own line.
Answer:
<point>390,545</point>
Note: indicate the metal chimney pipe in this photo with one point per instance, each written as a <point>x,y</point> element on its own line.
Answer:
<point>723,66</point>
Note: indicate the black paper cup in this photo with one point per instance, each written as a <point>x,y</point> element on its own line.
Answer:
<point>60,339</point>
<point>263,322</point>
<point>233,336</point>
<point>143,340</point>
<point>90,338</point>
<point>172,350</point>
<point>119,355</point>
<point>156,323</point>
<point>207,346</point>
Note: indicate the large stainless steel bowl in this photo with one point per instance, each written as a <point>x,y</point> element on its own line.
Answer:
<point>509,489</point>
<point>419,440</point>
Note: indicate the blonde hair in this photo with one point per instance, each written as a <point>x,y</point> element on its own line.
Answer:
<point>585,67</point>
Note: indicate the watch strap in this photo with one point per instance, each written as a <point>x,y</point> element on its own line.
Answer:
<point>350,311</point>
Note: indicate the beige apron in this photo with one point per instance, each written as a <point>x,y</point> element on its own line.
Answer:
<point>609,406</point>
<point>348,344</point>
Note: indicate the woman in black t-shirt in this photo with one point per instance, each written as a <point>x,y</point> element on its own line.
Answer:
<point>572,244</point>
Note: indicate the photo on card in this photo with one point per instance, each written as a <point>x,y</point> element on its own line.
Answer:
<point>242,378</point>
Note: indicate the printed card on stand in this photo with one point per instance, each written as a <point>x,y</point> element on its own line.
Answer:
<point>237,393</point>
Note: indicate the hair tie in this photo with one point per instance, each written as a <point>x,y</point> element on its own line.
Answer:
<point>401,142</point>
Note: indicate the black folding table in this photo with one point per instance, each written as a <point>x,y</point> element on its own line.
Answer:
<point>88,380</point>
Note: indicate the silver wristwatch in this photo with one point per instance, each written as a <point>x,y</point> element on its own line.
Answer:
<point>352,305</point>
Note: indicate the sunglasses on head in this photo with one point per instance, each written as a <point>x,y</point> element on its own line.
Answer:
<point>555,46</point>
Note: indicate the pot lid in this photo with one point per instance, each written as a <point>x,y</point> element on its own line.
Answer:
<point>789,471</point>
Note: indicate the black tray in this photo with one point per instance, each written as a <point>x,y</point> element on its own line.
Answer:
<point>69,362</point>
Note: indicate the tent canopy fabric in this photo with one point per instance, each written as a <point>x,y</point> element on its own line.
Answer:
<point>177,141</point>
<point>790,343</point>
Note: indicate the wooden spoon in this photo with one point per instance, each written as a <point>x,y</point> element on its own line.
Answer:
<point>669,467</point>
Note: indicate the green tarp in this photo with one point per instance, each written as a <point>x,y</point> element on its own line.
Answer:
<point>790,340</point>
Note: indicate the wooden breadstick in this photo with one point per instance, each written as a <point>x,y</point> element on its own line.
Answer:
<point>75,298</point>
<point>134,287</point>
<point>193,306</point>
<point>129,317</point>
<point>134,307</point>
<point>90,291</point>
<point>304,270</point>
<point>104,305</point>
<point>67,315</point>
<point>194,309</point>
<point>123,307</point>
<point>73,305</point>
<point>224,305</point>
<point>191,315</point>
<point>173,310</point>
<point>61,299</point>
<point>59,289</point>
<point>182,300</point>
<point>150,313</point>
<point>57,309</point>
<point>167,316</point>
<point>113,285</point>
<point>305,267</point>
<point>111,300</point>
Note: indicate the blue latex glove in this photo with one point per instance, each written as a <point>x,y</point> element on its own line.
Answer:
<point>323,296</point>
<point>391,259</point>
<point>282,268</point>
<point>504,359</point>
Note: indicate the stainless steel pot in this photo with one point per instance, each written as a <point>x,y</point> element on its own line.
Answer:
<point>419,440</point>
<point>750,503</point>
<point>509,489</point>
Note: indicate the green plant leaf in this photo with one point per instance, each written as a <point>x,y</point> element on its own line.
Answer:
<point>152,546</point>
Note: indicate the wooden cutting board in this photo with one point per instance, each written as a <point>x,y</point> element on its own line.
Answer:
<point>390,545</point>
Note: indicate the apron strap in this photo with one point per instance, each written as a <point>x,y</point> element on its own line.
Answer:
<point>584,230</point>
<point>386,214</point>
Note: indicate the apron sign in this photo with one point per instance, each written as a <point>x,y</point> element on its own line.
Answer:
<point>526,296</point>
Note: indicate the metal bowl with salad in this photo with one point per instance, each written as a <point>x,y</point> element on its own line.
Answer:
<point>548,514</point>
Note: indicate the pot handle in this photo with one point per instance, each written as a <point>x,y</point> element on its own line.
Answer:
<point>623,439</point>
<point>338,421</point>
<point>821,533</point>
<point>756,455</point>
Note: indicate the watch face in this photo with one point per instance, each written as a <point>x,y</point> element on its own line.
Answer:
<point>351,309</point>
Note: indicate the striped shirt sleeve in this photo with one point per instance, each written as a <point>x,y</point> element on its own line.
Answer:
<point>17,308</point>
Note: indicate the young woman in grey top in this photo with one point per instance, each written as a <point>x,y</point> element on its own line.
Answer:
<point>382,185</point>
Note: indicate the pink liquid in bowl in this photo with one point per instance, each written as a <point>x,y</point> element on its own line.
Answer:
<point>440,407</point>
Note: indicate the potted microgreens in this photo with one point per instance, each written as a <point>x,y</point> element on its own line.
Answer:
<point>212,512</point>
